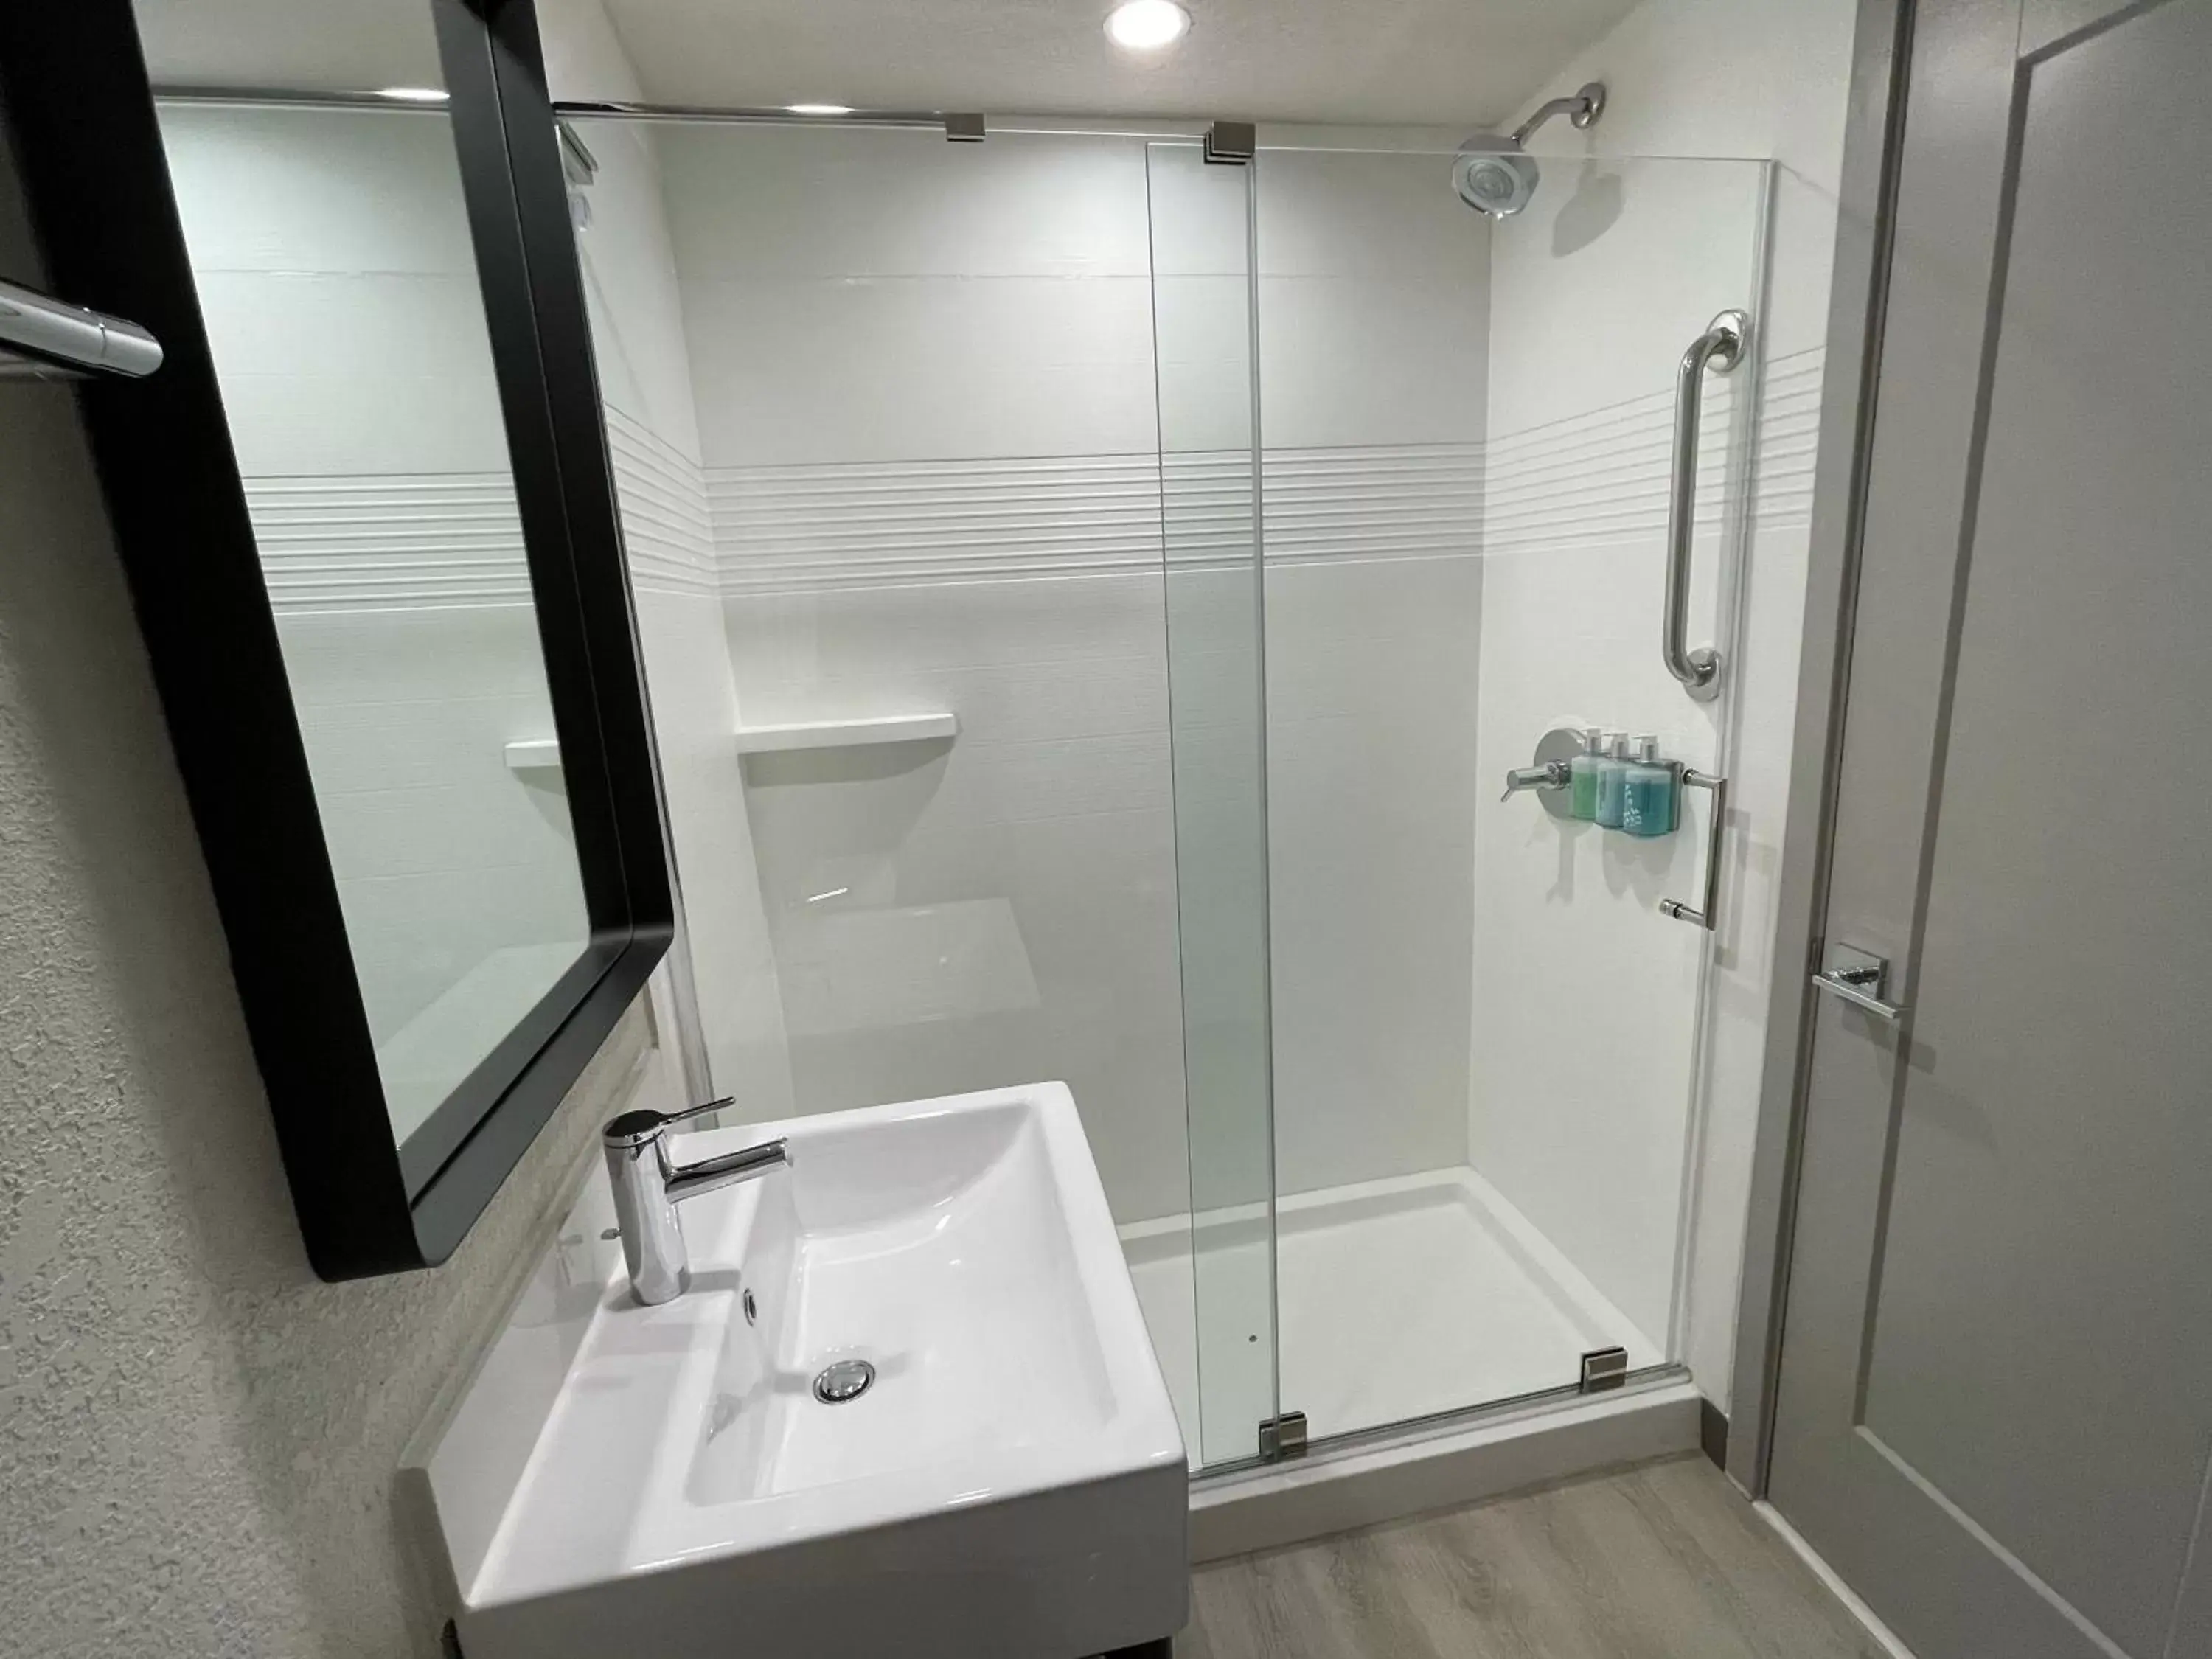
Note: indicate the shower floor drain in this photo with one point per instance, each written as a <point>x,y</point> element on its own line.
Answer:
<point>847,1379</point>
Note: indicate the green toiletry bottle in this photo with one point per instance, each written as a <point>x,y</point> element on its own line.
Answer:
<point>1581,775</point>
<point>1648,792</point>
<point>1612,780</point>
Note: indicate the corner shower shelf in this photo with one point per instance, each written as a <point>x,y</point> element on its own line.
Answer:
<point>537,754</point>
<point>845,734</point>
<point>533,754</point>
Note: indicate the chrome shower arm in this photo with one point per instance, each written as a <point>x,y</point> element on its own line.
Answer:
<point>1583,109</point>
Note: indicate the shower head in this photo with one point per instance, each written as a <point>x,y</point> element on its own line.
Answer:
<point>1496,176</point>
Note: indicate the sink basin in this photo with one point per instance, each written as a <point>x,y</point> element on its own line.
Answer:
<point>1002,1475</point>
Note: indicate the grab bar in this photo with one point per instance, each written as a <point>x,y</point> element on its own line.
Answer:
<point>1720,348</point>
<point>47,336</point>
<point>1708,915</point>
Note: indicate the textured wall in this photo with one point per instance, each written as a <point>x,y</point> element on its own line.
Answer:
<point>196,1437</point>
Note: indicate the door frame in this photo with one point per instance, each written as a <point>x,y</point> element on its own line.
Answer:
<point>1873,123</point>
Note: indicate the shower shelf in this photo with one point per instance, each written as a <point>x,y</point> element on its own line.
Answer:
<point>845,734</point>
<point>533,754</point>
<point>537,754</point>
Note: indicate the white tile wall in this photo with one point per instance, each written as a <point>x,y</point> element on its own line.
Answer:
<point>1373,353</point>
<point>644,361</point>
<point>1001,907</point>
<point>333,544</point>
<point>444,856</point>
<point>1739,77</point>
<point>932,429</point>
<point>1572,959</point>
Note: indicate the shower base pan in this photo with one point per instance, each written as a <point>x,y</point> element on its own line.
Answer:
<point>1400,1299</point>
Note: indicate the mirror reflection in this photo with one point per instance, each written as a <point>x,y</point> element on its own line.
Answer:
<point>333,256</point>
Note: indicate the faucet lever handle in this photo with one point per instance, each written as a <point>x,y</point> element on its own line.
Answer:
<point>635,1127</point>
<point>700,1110</point>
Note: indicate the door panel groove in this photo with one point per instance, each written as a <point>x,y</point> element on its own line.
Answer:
<point>2194,1564</point>
<point>1990,1541</point>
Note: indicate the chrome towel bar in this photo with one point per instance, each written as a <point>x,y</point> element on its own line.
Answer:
<point>43,336</point>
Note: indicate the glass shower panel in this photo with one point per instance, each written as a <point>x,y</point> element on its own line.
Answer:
<point>1487,1035</point>
<point>884,432</point>
<point>1202,318</point>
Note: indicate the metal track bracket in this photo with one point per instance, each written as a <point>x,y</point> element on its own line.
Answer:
<point>1231,143</point>
<point>1282,1437</point>
<point>1604,1369</point>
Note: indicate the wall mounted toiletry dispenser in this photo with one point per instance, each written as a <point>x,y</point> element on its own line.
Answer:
<point>1582,775</point>
<point>1649,793</point>
<point>1550,776</point>
<point>1612,780</point>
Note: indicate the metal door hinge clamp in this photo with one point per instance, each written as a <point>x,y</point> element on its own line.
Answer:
<point>1604,1369</point>
<point>1231,143</point>
<point>1282,1437</point>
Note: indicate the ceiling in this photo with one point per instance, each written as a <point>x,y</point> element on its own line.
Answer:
<point>1389,62</point>
<point>342,45</point>
<point>1394,62</point>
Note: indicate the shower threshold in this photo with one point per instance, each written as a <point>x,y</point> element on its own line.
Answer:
<point>1400,1299</point>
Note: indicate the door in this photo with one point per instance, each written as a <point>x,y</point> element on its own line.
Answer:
<point>1996,1400</point>
<point>1485,1021</point>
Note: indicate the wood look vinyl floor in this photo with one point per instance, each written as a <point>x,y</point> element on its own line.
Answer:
<point>1665,1561</point>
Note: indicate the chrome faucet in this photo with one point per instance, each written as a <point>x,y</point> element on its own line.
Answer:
<point>648,1187</point>
<point>1553,774</point>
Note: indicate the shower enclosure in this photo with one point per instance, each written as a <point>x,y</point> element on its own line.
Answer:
<point>1093,595</point>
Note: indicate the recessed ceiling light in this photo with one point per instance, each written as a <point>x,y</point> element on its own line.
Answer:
<point>1147,24</point>
<point>413,95</point>
<point>819,109</point>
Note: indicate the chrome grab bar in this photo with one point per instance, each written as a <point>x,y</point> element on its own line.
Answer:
<point>43,336</point>
<point>1707,915</point>
<point>1720,348</point>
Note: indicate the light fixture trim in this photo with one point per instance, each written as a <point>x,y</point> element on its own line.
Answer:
<point>414,94</point>
<point>817,109</point>
<point>1147,24</point>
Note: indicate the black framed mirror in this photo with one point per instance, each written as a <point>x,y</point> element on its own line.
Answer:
<point>366,512</point>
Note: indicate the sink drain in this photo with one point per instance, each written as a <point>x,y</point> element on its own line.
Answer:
<point>847,1379</point>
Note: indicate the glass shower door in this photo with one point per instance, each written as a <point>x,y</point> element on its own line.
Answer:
<point>1202,328</point>
<point>1486,1034</point>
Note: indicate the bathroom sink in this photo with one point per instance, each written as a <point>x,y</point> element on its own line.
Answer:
<point>908,1405</point>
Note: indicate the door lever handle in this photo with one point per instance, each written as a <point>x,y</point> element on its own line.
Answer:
<point>1859,977</point>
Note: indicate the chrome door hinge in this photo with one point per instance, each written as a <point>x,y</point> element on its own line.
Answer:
<point>1604,1369</point>
<point>1231,143</point>
<point>1282,1437</point>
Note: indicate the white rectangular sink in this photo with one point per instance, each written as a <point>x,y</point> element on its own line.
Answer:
<point>1011,1482</point>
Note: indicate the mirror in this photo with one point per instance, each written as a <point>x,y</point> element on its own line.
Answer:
<point>365,509</point>
<point>331,250</point>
